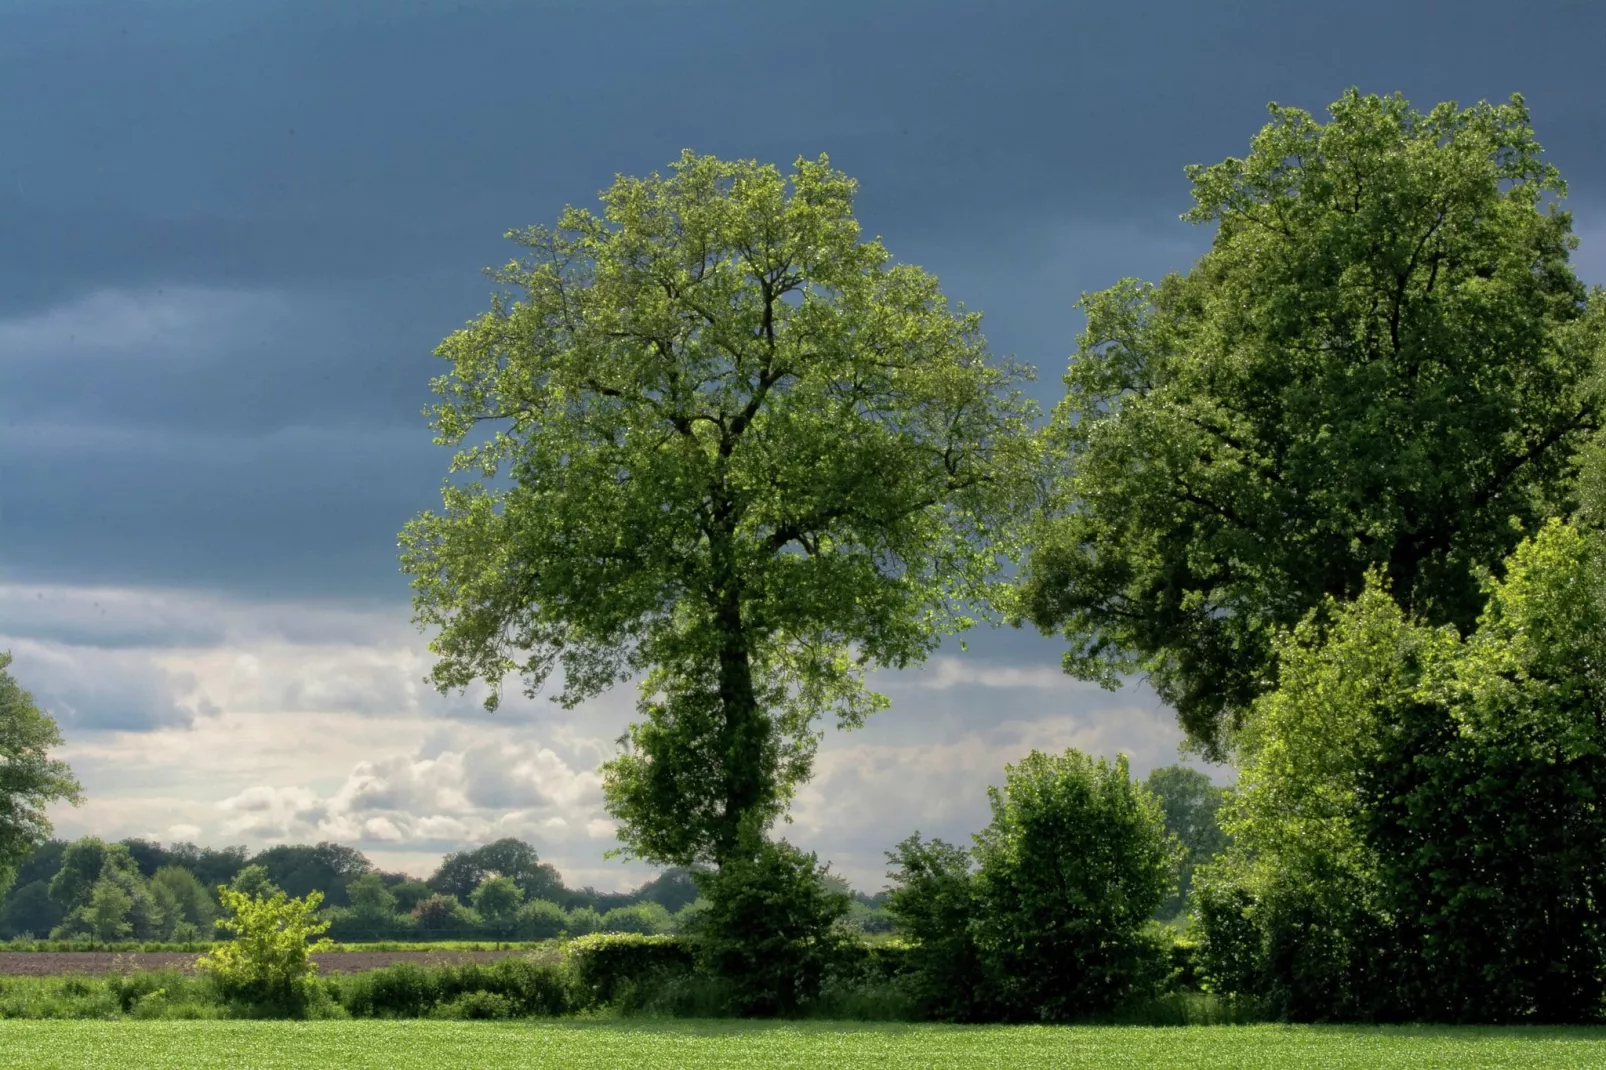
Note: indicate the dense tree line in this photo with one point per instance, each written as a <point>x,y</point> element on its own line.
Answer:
<point>138,890</point>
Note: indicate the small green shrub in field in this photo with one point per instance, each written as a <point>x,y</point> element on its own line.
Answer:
<point>772,927</point>
<point>475,1006</point>
<point>269,962</point>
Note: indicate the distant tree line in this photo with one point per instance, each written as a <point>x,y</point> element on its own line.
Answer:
<point>135,889</point>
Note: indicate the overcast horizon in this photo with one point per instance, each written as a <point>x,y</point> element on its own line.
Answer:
<point>234,235</point>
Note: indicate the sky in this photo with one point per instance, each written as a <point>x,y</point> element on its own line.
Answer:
<point>231,236</point>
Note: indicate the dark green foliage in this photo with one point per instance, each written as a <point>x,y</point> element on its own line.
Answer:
<point>934,903</point>
<point>1068,875</point>
<point>324,867</point>
<point>673,889</point>
<point>1384,360</point>
<point>443,917</point>
<point>771,928</point>
<point>513,987</point>
<point>644,918</point>
<point>1418,820</point>
<point>409,893</point>
<point>1190,803</point>
<point>103,896</point>
<point>29,909</point>
<point>30,780</point>
<point>459,874</point>
<point>605,965</point>
<point>540,920</point>
<point>1048,917</point>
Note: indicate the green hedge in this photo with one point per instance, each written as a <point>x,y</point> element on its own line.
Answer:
<point>606,962</point>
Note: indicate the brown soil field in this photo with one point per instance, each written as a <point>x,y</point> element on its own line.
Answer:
<point>51,963</point>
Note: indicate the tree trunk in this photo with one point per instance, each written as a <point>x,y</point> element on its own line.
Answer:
<point>744,733</point>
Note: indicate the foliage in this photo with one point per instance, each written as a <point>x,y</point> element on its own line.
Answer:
<point>746,454</point>
<point>934,903</point>
<point>674,889</point>
<point>497,900</point>
<point>518,986</point>
<point>771,928</point>
<point>182,899</point>
<point>253,880</point>
<point>460,873</point>
<point>1417,826</point>
<point>1069,873</point>
<point>607,964</point>
<point>1383,361</point>
<point>30,780</point>
<point>370,898</point>
<point>269,961</point>
<point>443,916</point>
<point>541,920</point>
<point>409,893</point>
<point>324,867</point>
<point>106,914</point>
<point>1190,803</point>
<point>90,868</point>
<point>645,918</point>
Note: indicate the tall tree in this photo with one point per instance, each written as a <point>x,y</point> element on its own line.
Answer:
<point>738,451</point>
<point>1383,360</point>
<point>29,778</point>
<point>1190,803</point>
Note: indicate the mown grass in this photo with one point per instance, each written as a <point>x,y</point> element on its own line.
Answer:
<point>753,1046</point>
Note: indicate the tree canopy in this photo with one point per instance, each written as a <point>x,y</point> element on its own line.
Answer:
<point>734,448</point>
<point>29,778</point>
<point>1384,360</point>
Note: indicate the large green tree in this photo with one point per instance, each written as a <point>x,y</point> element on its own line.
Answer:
<point>1383,360</point>
<point>735,449</point>
<point>30,779</point>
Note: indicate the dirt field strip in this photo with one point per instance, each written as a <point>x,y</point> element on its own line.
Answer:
<point>54,963</point>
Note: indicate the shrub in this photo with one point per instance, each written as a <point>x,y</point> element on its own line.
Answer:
<point>1069,874</point>
<point>647,919</point>
<point>443,917</point>
<point>475,1005</point>
<point>772,928</point>
<point>521,985</point>
<point>582,921</point>
<point>934,902</point>
<point>268,963</point>
<point>540,920</point>
<point>497,899</point>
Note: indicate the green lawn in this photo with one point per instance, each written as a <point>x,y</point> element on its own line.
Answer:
<point>402,1045</point>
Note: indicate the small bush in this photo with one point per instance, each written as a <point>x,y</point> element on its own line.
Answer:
<point>646,919</point>
<point>540,920</point>
<point>269,963</point>
<point>772,928</point>
<point>474,1006</point>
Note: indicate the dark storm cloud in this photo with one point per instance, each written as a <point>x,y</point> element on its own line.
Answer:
<point>340,172</point>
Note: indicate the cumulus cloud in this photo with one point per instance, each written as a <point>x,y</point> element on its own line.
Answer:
<point>192,716</point>
<point>439,802</point>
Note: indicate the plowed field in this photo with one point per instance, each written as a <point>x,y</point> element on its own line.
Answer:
<point>54,963</point>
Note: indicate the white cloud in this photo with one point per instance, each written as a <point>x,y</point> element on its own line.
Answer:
<point>297,723</point>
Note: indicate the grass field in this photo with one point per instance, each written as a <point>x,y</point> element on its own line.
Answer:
<point>749,1046</point>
